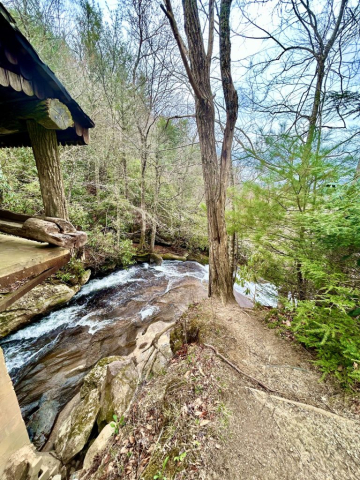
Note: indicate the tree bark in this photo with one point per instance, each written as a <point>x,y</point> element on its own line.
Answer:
<point>155,204</point>
<point>197,64</point>
<point>46,153</point>
<point>142,195</point>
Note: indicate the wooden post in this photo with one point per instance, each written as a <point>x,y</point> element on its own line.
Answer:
<point>45,147</point>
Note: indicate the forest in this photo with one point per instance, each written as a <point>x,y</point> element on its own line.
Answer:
<point>253,140</point>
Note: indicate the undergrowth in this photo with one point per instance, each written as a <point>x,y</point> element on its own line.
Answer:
<point>330,331</point>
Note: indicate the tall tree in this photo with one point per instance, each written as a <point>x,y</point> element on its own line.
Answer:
<point>197,62</point>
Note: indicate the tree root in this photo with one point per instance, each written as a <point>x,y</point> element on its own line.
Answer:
<point>252,379</point>
<point>157,337</point>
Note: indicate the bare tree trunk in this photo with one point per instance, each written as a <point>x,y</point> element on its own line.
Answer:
<point>197,63</point>
<point>142,194</point>
<point>125,175</point>
<point>156,199</point>
<point>46,153</point>
<point>97,179</point>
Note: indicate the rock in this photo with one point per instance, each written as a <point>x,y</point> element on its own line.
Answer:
<point>27,463</point>
<point>98,445</point>
<point>80,279</point>
<point>75,431</point>
<point>142,257</point>
<point>65,412</point>
<point>107,389</point>
<point>60,372</point>
<point>142,352</point>
<point>163,353</point>
<point>85,277</point>
<point>96,377</point>
<point>172,256</point>
<point>38,301</point>
<point>117,391</point>
<point>40,422</point>
<point>154,258</point>
<point>198,257</point>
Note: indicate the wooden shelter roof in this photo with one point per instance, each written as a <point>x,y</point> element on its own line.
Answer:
<point>24,77</point>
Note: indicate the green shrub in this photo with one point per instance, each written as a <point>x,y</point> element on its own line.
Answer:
<point>330,325</point>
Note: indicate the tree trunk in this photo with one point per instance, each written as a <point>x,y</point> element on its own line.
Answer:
<point>156,199</point>
<point>142,195</point>
<point>220,281</point>
<point>46,153</point>
<point>197,64</point>
<point>125,175</point>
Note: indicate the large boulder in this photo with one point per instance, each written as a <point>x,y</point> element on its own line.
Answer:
<point>155,258</point>
<point>98,445</point>
<point>107,390</point>
<point>38,301</point>
<point>117,391</point>
<point>95,379</point>
<point>75,431</point>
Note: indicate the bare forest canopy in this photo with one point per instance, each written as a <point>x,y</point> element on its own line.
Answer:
<point>292,191</point>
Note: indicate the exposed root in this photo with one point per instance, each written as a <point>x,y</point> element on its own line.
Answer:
<point>252,379</point>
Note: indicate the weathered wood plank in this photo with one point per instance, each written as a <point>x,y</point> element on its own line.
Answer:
<point>20,259</point>
<point>27,87</point>
<point>11,298</point>
<point>15,81</point>
<point>4,78</point>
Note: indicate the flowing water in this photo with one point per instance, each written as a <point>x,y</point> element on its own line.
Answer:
<point>48,359</point>
<point>95,306</point>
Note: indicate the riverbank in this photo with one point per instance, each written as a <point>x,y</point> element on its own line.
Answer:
<point>230,399</point>
<point>234,402</point>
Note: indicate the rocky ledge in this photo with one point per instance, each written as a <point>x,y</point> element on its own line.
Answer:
<point>39,301</point>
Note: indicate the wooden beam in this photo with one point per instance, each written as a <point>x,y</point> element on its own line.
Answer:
<point>11,298</point>
<point>64,225</point>
<point>46,153</point>
<point>43,231</point>
<point>50,113</point>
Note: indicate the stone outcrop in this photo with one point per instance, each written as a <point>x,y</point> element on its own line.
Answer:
<point>50,384</point>
<point>75,432</point>
<point>107,390</point>
<point>98,445</point>
<point>38,301</point>
<point>117,390</point>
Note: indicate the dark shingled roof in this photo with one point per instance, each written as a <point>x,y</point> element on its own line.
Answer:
<point>25,77</point>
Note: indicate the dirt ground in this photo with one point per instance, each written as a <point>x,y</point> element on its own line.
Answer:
<point>299,428</point>
<point>251,408</point>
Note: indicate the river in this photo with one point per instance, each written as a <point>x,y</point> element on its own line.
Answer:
<point>48,359</point>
